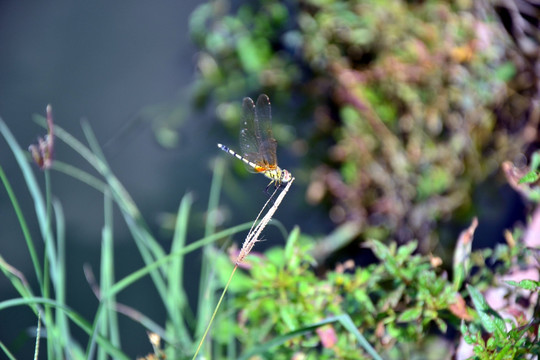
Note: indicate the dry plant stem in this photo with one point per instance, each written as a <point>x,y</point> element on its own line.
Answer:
<point>260,212</point>
<point>249,242</point>
<point>38,335</point>
<point>253,235</point>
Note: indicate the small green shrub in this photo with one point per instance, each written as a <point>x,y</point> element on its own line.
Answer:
<point>394,100</point>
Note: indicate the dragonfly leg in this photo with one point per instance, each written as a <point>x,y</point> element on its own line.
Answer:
<point>268,187</point>
<point>277,186</point>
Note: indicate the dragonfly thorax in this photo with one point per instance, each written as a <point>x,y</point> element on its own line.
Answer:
<point>278,176</point>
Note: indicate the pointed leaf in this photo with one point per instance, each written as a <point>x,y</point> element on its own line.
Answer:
<point>530,177</point>
<point>410,315</point>
<point>526,284</point>
<point>535,161</point>
<point>490,319</point>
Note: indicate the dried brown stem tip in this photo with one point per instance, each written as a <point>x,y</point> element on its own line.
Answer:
<point>42,153</point>
<point>253,235</point>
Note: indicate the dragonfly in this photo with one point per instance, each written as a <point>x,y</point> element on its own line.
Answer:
<point>257,142</point>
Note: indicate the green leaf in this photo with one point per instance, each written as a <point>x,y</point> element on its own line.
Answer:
<point>502,354</point>
<point>535,161</point>
<point>526,284</point>
<point>530,177</point>
<point>505,72</point>
<point>430,314</point>
<point>379,249</point>
<point>491,320</point>
<point>291,244</point>
<point>435,180</point>
<point>410,315</point>
<point>253,53</point>
<point>362,297</point>
<point>289,316</point>
<point>393,297</point>
<point>405,251</point>
<point>463,327</point>
<point>441,325</point>
<point>468,339</point>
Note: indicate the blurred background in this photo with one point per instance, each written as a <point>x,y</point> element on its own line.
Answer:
<point>106,63</point>
<point>394,117</point>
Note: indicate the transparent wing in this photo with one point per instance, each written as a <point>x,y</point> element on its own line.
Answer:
<point>249,138</point>
<point>263,129</point>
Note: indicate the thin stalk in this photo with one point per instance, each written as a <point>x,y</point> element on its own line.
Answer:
<point>215,312</point>
<point>251,238</point>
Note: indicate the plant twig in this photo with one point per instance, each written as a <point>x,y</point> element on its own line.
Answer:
<point>251,238</point>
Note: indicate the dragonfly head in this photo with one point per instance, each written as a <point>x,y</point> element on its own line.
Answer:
<point>285,176</point>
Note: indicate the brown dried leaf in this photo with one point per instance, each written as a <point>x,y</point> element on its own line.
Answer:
<point>459,308</point>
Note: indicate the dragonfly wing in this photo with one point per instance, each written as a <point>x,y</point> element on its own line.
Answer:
<point>249,138</point>
<point>263,129</point>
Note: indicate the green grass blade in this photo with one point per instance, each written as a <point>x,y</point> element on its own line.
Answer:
<point>146,244</point>
<point>60,287</point>
<point>148,247</point>
<point>80,175</point>
<point>33,188</point>
<point>348,324</point>
<point>73,316</point>
<point>136,275</point>
<point>24,227</point>
<point>177,297</point>
<point>109,325</point>
<point>150,242</point>
<point>54,338</point>
<point>280,340</point>
<point>213,199</point>
<point>18,280</point>
<point>6,351</point>
<point>343,319</point>
<point>42,213</point>
<point>206,299</point>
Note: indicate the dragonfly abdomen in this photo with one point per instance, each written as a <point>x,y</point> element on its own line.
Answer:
<point>240,157</point>
<point>277,175</point>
